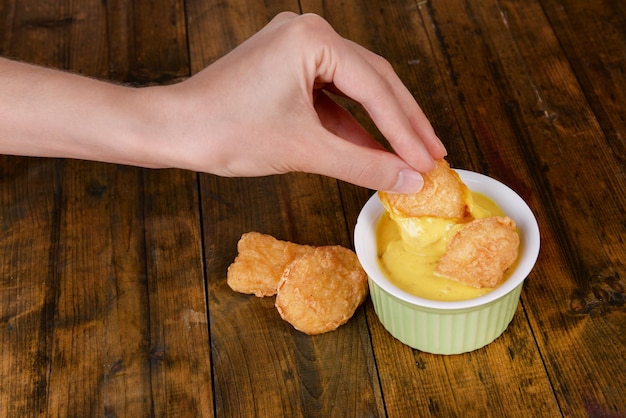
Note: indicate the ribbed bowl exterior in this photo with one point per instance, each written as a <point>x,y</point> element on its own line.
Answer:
<point>444,331</point>
<point>453,327</point>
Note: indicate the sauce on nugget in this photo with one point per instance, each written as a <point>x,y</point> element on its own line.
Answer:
<point>409,255</point>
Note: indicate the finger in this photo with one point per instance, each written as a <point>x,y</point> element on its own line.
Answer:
<point>372,82</point>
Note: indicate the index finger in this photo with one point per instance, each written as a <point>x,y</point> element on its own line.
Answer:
<point>370,80</point>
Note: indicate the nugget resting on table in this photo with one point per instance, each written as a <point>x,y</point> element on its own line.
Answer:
<point>480,252</point>
<point>444,195</point>
<point>321,289</point>
<point>261,262</point>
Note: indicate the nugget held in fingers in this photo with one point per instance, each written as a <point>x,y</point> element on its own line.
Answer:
<point>321,289</point>
<point>444,195</point>
<point>260,263</point>
<point>480,252</point>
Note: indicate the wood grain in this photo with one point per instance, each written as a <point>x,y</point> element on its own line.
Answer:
<point>113,298</point>
<point>558,138</point>
<point>301,374</point>
<point>474,377</point>
<point>180,365</point>
<point>248,338</point>
<point>29,215</point>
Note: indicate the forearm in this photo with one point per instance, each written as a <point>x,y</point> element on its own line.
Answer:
<point>51,113</point>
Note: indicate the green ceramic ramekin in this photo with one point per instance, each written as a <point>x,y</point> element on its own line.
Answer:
<point>449,327</point>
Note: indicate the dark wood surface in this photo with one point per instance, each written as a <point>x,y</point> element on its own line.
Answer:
<point>113,299</point>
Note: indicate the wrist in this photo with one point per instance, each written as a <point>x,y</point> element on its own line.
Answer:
<point>138,127</point>
<point>175,127</point>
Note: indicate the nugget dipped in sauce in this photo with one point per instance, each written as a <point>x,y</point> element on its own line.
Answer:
<point>446,235</point>
<point>426,218</point>
<point>444,195</point>
<point>480,252</point>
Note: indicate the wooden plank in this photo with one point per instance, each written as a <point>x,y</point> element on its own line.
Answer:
<point>30,199</point>
<point>35,32</point>
<point>130,330</point>
<point>180,361</point>
<point>148,41</point>
<point>584,163</point>
<point>125,373</point>
<point>59,34</point>
<point>330,374</point>
<point>100,357</point>
<point>7,10</point>
<point>504,76</point>
<point>478,385</point>
<point>98,362</point>
<point>229,22</point>
<point>148,45</point>
<point>595,61</point>
<point>42,33</point>
<point>593,39</point>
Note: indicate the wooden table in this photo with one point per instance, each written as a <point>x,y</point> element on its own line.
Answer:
<point>113,299</point>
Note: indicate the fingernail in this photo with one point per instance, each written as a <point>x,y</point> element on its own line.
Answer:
<point>442,147</point>
<point>409,181</point>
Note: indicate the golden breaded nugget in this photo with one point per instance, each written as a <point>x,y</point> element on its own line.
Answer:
<point>444,195</point>
<point>320,290</point>
<point>480,252</point>
<point>261,262</point>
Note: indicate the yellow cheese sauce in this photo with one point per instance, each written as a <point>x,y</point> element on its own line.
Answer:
<point>409,254</point>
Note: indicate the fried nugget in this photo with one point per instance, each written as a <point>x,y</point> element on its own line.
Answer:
<point>261,262</point>
<point>320,290</point>
<point>480,252</point>
<point>444,195</point>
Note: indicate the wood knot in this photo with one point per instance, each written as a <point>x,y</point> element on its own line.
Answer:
<point>158,354</point>
<point>95,189</point>
<point>117,367</point>
<point>49,23</point>
<point>603,294</point>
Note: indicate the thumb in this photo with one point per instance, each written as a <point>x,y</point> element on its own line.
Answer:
<point>371,168</point>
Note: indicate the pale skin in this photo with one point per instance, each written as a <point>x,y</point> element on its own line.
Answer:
<point>262,109</point>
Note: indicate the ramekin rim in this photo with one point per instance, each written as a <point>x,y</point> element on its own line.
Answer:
<point>524,217</point>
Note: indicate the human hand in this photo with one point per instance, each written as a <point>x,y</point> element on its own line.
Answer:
<point>262,109</point>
